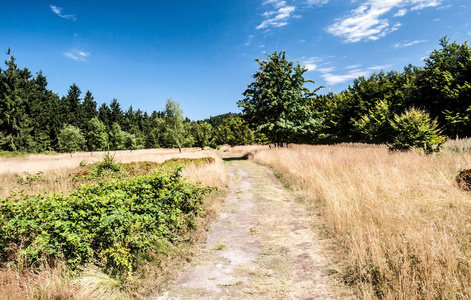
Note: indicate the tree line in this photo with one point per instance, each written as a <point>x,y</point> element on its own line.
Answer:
<point>419,106</point>
<point>35,119</point>
<point>416,107</point>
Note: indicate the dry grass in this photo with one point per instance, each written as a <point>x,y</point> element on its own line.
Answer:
<point>53,170</point>
<point>57,283</point>
<point>47,283</point>
<point>402,223</point>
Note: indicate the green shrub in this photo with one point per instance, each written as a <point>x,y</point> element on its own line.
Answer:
<point>108,224</point>
<point>415,129</point>
<point>108,163</point>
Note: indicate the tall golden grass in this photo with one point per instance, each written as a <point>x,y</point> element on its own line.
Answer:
<point>403,225</point>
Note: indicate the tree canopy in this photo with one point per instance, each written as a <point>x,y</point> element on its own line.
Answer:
<point>278,103</point>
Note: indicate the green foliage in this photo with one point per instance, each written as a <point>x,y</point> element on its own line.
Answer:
<point>458,122</point>
<point>12,154</point>
<point>375,126</point>
<point>97,136</point>
<point>415,129</point>
<point>108,224</point>
<point>277,103</point>
<point>130,141</point>
<point>116,137</point>
<point>202,134</point>
<point>107,163</point>
<point>27,179</point>
<point>233,131</point>
<point>70,139</point>
<point>444,85</point>
<point>173,123</point>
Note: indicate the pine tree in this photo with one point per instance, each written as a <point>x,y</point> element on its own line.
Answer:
<point>73,107</point>
<point>15,126</point>
<point>88,107</point>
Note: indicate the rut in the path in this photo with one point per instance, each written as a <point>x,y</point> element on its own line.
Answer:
<point>262,246</point>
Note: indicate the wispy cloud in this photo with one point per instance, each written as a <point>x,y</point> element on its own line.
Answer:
<point>333,75</point>
<point>379,68</point>
<point>77,55</point>
<point>278,17</point>
<point>401,12</point>
<point>370,20</point>
<point>402,45</point>
<point>353,67</point>
<point>312,63</point>
<point>317,2</point>
<point>333,79</point>
<point>58,11</point>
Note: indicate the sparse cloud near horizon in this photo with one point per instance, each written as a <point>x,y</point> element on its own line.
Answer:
<point>58,11</point>
<point>333,79</point>
<point>380,68</point>
<point>370,20</point>
<point>77,55</point>
<point>402,45</point>
<point>333,76</point>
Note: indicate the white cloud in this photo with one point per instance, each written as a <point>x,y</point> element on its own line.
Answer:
<point>401,12</point>
<point>249,40</point>
<point>77,55</point>
<point>316,64</point>
<point>311,63</point>
<point>276,3</point>
<point>58,11</point>
<point>279,17</point>
<point>369,21</point>
<point>332,79</point>
<point>402,45</point>
<point>326,70</point>
<point>352,67</point>
<point>378,68</point>
<point>310,67</point>
<point>317,2</point>
<point>421,4</point>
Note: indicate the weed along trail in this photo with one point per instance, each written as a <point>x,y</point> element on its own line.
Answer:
<point>262,246</point>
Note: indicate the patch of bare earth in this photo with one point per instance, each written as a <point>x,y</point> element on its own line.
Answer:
<point>262,247</point>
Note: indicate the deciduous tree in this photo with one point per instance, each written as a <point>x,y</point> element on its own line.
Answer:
<point>278,103</point>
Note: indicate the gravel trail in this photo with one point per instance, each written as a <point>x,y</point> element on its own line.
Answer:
<point>262,246</point>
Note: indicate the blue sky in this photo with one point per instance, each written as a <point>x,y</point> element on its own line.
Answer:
<point>202,52</point>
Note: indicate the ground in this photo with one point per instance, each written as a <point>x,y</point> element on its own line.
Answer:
<point>263,246</point>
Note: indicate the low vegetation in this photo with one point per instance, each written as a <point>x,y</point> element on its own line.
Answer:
<point>116,225</point>
<point>399,219</point>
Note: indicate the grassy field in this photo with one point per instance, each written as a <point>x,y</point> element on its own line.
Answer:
<point>399,220</point>
<point>38,172</point>
<point>62,173</point>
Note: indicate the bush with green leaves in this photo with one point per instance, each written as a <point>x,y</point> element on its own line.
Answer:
<point>415,129</point>
<point>375,126</point>
<point>70,139</point>
<point>108,224</point>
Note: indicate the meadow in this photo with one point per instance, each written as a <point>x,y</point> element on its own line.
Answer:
<point>100,209</point>
<point>398,221</point>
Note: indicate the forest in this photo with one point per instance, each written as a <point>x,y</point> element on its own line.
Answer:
<point>374,109</point>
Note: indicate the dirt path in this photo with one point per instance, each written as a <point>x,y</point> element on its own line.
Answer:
<point>262,246</point>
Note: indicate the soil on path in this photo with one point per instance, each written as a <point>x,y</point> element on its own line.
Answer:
<point>262,246</point>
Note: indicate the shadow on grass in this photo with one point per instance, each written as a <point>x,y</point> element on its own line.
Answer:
<point>236,158</point>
